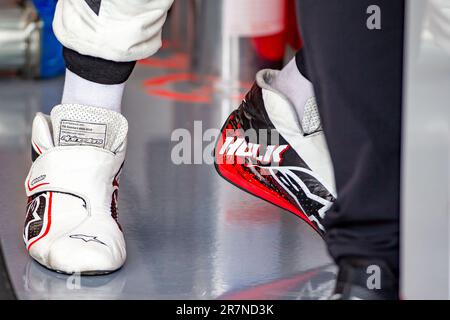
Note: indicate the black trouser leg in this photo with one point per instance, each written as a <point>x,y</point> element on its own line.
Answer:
<point>357,77</point>
<point>96,69</point>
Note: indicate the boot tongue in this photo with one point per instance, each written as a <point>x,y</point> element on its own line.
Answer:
<point>77,125</point>
<point>310,122</point>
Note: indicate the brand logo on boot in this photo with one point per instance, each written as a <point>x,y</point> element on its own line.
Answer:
<point>240,148</point>
<point>38,179</point>
<point>305,188</point>
<point>79,140</point>
<point>86,238</point>
<point>35,217</point>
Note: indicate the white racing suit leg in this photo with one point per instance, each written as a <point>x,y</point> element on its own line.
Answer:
<point>115,30</point>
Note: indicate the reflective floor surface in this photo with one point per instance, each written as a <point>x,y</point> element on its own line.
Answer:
<point>190,234</point>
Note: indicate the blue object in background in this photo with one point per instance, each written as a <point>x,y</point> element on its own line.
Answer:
<point>52,62</point>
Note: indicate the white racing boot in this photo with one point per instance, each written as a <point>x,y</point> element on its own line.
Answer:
<point>71,224</point>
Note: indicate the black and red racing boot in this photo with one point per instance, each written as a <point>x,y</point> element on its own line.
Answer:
<point>267,151</point>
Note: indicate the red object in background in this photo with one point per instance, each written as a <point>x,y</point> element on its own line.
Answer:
<point>273,47</point>
<point>158,86</point>
<point>293,37</point>
<point>198,92</point>
<point>270,47</point>
<point>174,61</point>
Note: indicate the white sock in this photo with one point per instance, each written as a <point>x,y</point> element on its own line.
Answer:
<point>294,86</point>
<point>81,91</point>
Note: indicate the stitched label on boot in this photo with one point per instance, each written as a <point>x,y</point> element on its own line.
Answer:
<point>76,133</point>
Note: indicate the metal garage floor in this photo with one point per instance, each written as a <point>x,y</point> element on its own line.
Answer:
<point>190,234</point>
